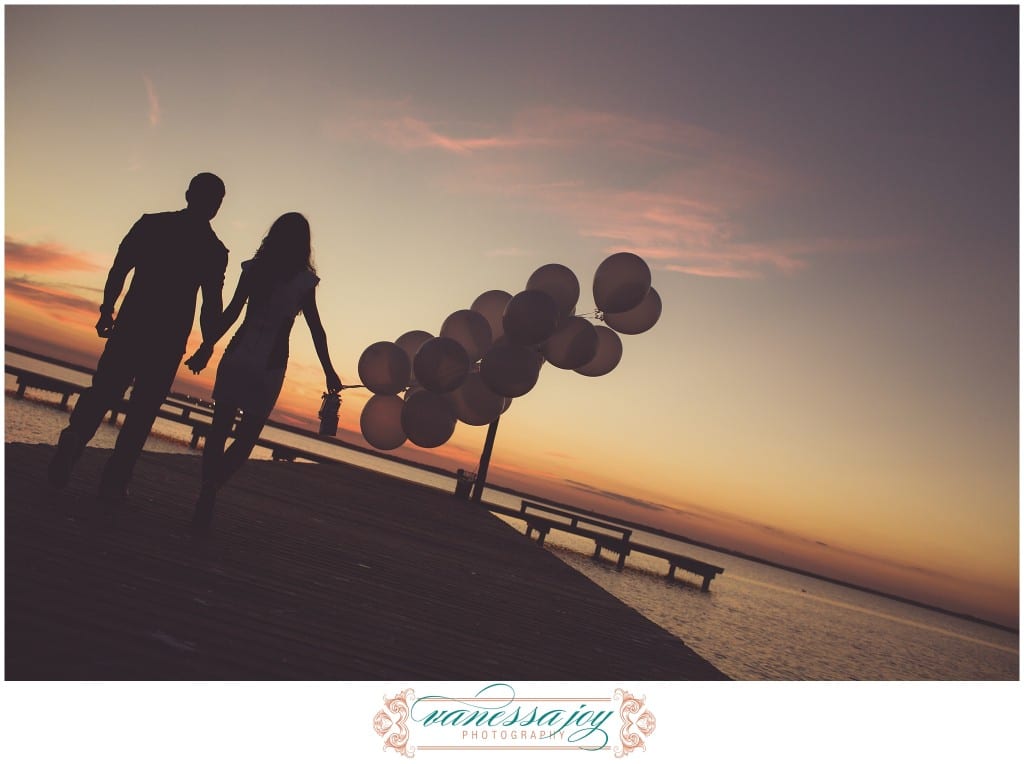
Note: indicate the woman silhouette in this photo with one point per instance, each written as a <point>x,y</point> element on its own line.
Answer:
<point>277,283</point>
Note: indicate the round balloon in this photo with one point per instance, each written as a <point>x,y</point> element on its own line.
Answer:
<point>384,368</point>
<point>609,353</point>
<point>476,404</point>
<point>621,282</point>
<point>427,419</point>
<point>440,365</point>
<point>639,319</point>
<point>471,330</point>
<point>381,422</point>
<point>530,318</point>
<point>573,345</point>
<point>412,341</point>
<point>491,305</point>
<point>559,283</point>
<point>510,370</point>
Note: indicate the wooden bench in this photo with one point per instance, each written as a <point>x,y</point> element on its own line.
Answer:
<point>25,379</point>
<point>705,570</point>
<point>618,544</point>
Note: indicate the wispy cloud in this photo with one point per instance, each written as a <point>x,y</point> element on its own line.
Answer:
<point>411,133</point>
<point>53,300</point>
<point>675,193</point>
<point>676,233</point>
<point>45,258</point>
<point>397,125</point>
<point>618,497</point>
<point>154,102</point>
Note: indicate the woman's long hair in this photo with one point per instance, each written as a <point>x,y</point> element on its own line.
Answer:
<point>286,248</point>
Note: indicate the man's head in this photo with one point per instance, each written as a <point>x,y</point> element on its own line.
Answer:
<point>204,195</point>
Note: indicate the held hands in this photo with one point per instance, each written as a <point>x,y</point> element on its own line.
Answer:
<point>333,381</point>
<point>105,324</point>
<point>200,358</point>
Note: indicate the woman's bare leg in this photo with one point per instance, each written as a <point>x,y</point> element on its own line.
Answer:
<point>213,448</point>
<point>212,466</point>
<point>246,435</point>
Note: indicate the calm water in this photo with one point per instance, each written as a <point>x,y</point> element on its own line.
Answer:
<point>757,622</point>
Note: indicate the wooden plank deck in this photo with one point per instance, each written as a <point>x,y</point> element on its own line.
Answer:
<point>314,571</point>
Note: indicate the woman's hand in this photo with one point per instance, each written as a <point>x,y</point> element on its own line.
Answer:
<point>333,381</point>
<point>200,358</point>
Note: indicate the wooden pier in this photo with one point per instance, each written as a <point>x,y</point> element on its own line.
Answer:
<point>311,572</point>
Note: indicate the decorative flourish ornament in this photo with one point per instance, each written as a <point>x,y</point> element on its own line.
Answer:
<point>638,723</point>
<point>390,723</point>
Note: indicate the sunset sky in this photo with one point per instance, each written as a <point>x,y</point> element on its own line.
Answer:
<point>828,199</point>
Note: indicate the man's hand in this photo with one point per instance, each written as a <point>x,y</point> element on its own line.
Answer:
<point>105,324</point>
<point>200,358</point>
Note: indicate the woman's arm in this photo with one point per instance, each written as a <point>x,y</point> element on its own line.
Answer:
<point>232,312</point>
<point>316,331</point>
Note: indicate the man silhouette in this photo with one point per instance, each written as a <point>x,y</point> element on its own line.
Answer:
<point>173,254</point>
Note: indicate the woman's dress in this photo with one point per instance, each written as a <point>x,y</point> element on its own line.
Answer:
<point>252,370</point>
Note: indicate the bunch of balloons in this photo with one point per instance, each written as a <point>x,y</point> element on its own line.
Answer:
<point>493,352</point>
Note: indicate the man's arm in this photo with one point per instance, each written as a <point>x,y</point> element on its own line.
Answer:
<point>218,326</point>
<point>125,259</point>
<point>213,302</point>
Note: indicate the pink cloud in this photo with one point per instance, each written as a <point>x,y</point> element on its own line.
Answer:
<point>723,271</point>
<point>45,258</point>
<point>154,102</point>
<point>410,133</point>
<point>52,300</point>
<point>672,192</point>
<point>393,124</point>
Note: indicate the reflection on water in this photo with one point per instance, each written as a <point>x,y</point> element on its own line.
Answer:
<point>757,622</point>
